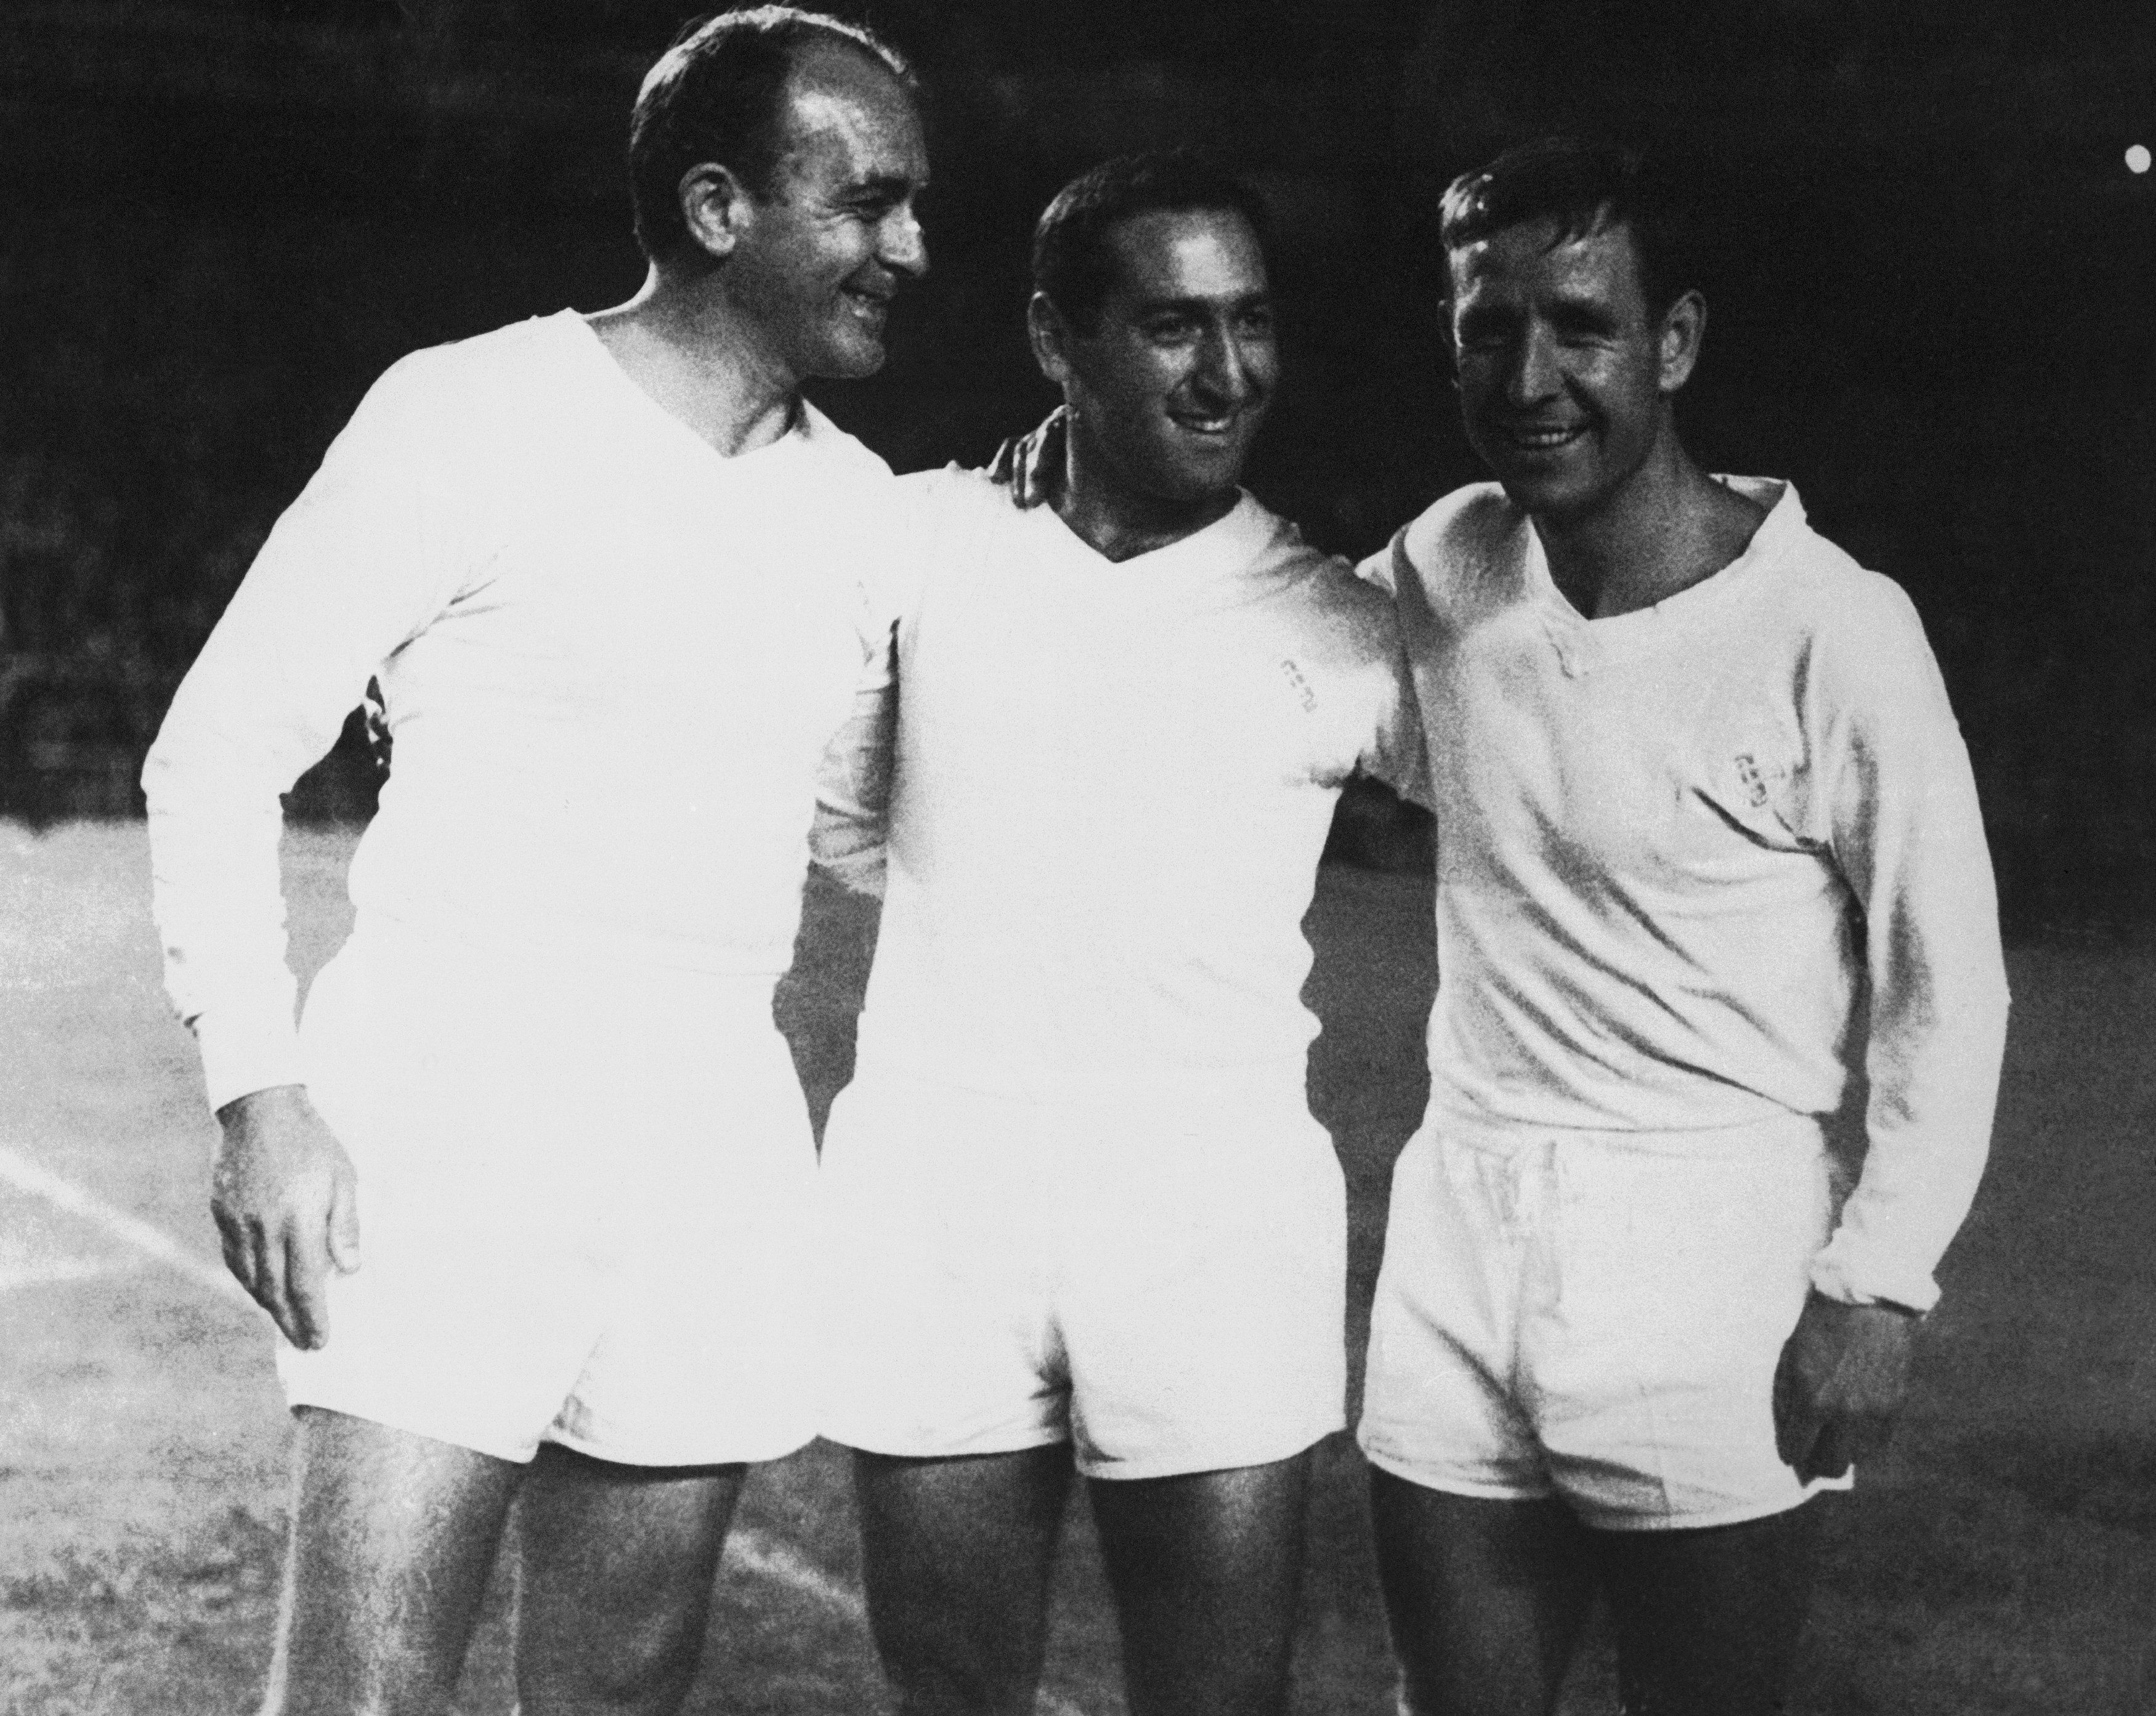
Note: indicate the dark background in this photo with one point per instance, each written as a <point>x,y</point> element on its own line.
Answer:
<point>1931,286</point>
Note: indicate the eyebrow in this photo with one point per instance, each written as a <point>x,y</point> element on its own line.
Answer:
<point>897,186</point>
<point>1240,301</point>
<point>1567,309</point>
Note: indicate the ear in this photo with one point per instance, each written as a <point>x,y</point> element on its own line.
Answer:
<point>1050,336</point>
<point>1684,327</point>
<point>716,205</point>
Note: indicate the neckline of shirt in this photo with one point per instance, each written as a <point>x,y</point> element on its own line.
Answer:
<point>1579,638</point>
<point>1227,547</point>
<point>810,431</point>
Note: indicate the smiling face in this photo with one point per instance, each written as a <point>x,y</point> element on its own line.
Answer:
<point>1167,390</point>
<point>1566,375</point>
<point>816,260</point>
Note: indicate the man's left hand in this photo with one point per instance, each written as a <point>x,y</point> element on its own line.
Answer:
<point>1839,1384</point>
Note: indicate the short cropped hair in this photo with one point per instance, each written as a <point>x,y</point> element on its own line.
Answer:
<point>1583,186</point>
<point>719,94</point>
<point>1072,266</point>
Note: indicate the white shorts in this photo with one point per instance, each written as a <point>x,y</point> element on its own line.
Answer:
<point>586,1206</point>
<point>1161,1283</point>
<point>1596,1316</point>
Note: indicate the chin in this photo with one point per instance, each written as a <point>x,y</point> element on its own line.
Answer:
<point>1184,488</point>
<point>852,366</point>
<point>849,355</point>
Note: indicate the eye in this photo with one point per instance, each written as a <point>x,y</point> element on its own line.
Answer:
<point>1167,329</point>
<point>1256,321</point>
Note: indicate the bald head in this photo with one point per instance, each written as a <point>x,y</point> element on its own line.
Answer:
<point>727,95</point>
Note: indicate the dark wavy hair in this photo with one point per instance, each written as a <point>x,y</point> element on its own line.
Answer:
<point>719,94</point>
<point>1072,266</point>
<point>1583,186</point>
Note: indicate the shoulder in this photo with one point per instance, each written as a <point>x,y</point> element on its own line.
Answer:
<point>842,454</point>
<point>1448,541</point>
<point>1330,597</point>
<point>942,510</point>
<point>1469,521</point>
<point>1840,608</point>
<point>1856,638</point>
<point>438,394</point>
<point>953,492</point>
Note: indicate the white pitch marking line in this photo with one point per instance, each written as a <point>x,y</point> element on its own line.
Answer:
<point>26,1175</point>
<point>757,1553</point>
<point>784,1565</point>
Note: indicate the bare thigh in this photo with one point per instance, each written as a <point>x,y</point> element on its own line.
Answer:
<point>1486,1598</point>
<point>615,1592</point>
<point>1708,1620</point>
<point>393,1536</point>
<point>956,1556</point>
<point>1207,1568</point>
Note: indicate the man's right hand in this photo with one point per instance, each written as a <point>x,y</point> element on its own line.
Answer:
<point>286,1202</point>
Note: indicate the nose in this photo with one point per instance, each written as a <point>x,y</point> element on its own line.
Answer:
<point>1224,368</point>
<point>901,244</point>
<point>1533,374</point>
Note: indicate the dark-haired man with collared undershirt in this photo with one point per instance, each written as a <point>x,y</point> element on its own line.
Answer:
<point>1712,891</point>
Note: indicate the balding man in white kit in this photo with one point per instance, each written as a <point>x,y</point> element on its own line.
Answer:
<point>528,1192</point>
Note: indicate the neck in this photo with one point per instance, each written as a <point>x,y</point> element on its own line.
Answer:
<point>1670,527</point>
<point>1120,523</point>
<point>686,346</point>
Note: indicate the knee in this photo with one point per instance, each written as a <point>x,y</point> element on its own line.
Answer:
<point>639,1671</point>
<point>939,1693</point>
<point>944,1676</point>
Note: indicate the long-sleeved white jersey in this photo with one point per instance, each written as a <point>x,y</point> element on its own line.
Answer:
<point>612,659</point>
<point>1708,861</point>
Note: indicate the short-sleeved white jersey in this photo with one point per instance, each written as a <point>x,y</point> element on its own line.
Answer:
<point>1113,784</point>
<point>612,659</point>
<point>1707,862</point>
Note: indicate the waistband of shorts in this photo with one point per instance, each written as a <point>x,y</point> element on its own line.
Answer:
<point>1509,1138</point>
<point>1261,1088</point>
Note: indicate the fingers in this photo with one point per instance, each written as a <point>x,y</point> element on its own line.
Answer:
<point>1820,1432</point>
<point>1796,1419</point>
<point>1827,1453</point>
<point>282,1265</point>
<point>1865,1434</point>
<point>267,1279</point>
<point>307,1317</point>
<point>1004,467</point>
<point>1042,454</point>
<point>232,1242</point>
<point>344,1219</point>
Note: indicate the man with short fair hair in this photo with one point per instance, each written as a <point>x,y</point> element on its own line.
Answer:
<point>1713,892</point>
<point>529,1192</point>
<point>1076,1195</point>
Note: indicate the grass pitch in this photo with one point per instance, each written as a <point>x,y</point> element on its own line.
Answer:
<point>1999,1560</point>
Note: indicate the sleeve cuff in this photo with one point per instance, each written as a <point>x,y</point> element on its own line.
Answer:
<point>860,872</point>
<point>237,1059</point>
<point>1861,1280</point>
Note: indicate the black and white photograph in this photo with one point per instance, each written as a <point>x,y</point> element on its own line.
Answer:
<point>1140,858</point>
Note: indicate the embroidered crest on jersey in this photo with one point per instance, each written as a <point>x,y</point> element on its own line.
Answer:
<point>1302,687</point>
<point>1755,783</point>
